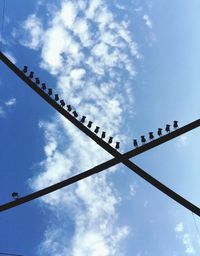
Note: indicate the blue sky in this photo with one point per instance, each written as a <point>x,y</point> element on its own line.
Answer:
<point>130,67</point>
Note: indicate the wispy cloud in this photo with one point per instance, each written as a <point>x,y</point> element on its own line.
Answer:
<point>91,55</point>
<point>147,21</point>
<point>10,102</point>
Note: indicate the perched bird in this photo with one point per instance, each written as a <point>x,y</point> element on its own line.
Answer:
<point>143,140</point>
<point>69,108</point>
<point>25,69</point>
<point>75,114</point>
<point>31,75</point>
<point>175,124</point>
<point>117,145</point>
<point>83,119</point>
<point>103,135</point>
<point>50,92</point>
<point>159,132</point>
<point>44,86</point>
<point>56,97</point>
<point>135,144</point>
<point>96,129</point>
<point>89,124</point>
<point>110,140</point>
<point>15,195</point>
<point>62,103</point>
<point>151,137</point>
<point>37,80</point>
<point>167,128</point>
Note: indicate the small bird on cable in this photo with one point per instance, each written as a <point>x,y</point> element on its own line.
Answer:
<point>175,124</point>
<point>110,140</point>
<point>89,124</point>
<point>103,135</point>
<point>37,80</point>
<point>75,114</point>
<point>69,108</point>
<point>50,92</point>
<point>96,129</point>
<point>135,144</point>
<point>44,86</point>
<point>83,119</point>
<point>25,70</point>
<point>56,97</point>
<point>159,132</point>
<point>15,195</point>
<point>62,103</point>
<point>151,137</point>
<point>167,128</point>
<point>117,145</point>
<point>143,140</point>
<point>31,75</point>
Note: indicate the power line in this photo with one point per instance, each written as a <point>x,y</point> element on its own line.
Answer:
<point>118,156</point>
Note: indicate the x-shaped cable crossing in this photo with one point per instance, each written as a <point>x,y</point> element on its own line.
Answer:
<point>118,157</point>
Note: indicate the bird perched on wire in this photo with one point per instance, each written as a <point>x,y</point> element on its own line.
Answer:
<point>97,129</point>
<point>103,135</point>
<point>56,97</point>
<point>117,145</point>
<point>62,103</point>
<point>151,137</point>
<point>83,119</point>
<point>44,86</point>
<point>50,92</point>
<point>25,69</point>
<point>143,140</point>
<point>175,124</point>
<point>135,144</point>
<point>75,114</point>
<point>110,140</point>
<point>159,132</point>
<point>31,75</point>
<point>89,124</point>
<point>167,128</point>
<point>37,80</point>
<point>15,195</point>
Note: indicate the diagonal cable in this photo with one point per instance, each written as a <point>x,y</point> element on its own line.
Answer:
<point>169,192</point>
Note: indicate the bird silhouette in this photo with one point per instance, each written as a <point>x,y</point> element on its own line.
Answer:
<point>31,75</point>
<point>110,140</point>
<point>143,140</point>
<point>117,145</point>
<point>37,80</point>
<point>167,128</point>
<point>69,108</point>
<point>25,69</point>
<point>75,114</point>
<point>175,124</point>
<point>62,103</point>
<point>96,129</point>
<point>15,195</point>
<point>151,137</point>
<point>56,97</point>
<point>135,144</point>
<point>89,124</point>
<point>44,86</point>
<point>83,119</point>
<point>103,135</point>
<point>50,92</point>
<point>159,132</point>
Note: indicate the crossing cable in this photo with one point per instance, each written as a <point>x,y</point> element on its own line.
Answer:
<point>118,156</point>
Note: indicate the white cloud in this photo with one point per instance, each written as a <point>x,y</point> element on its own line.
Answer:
<point>189,249</point>
<point>10,102</point>
<point>179,227</point>
<point>147,21</point>
<point>182,141</point>
<point>88,54</point>
<point>10,56</point>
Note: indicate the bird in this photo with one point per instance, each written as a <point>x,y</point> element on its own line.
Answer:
<point>75,114</point>
<point>62,103</point>
<point>89,124</point>
<point>15,195</point>
<point>117,145</point>
<point>151,137</point>
<point>110,140</point>
<point>83,119</point>
<point>37,80</point>
<point>56,97</point>
<point>135,144</point>
<point>96,129</point>
<point>143,140</point>
<point>167,128</point>
<point>103,135</point>
<point>159,132</point>
<point>175,124</point>
<point>50,91</point>
<point>25,69</point>
<point>69,108</point>
<point>31,75</point>
<point>44,86</point>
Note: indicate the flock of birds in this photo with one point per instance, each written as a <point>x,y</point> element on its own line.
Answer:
<point>15,195</point>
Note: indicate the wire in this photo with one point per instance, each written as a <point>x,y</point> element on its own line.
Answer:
<point>2,25</point>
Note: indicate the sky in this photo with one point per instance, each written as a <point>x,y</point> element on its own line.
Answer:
<point>130,67</point>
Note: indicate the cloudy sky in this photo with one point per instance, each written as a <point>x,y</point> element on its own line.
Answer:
<point>130,67</point>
